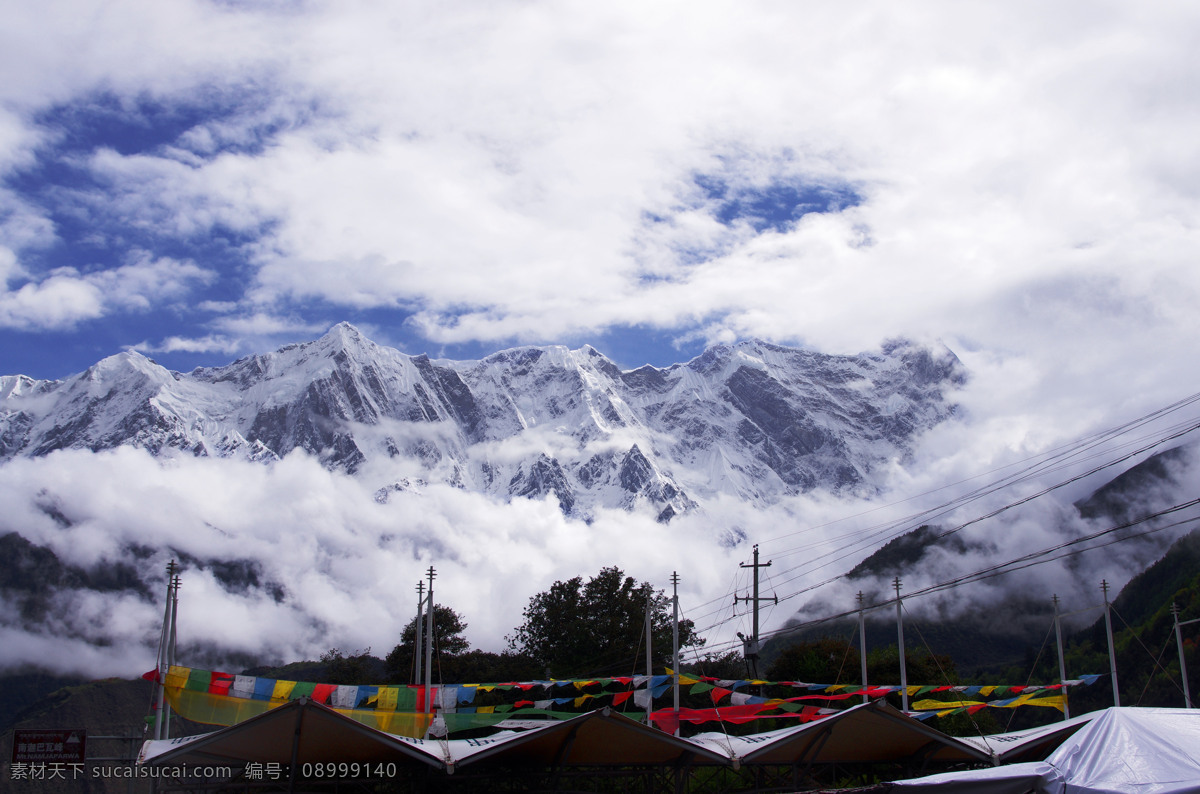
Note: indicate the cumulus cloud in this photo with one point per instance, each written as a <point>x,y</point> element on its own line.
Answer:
<point>211,342</point>
<point>65,296</point>
<point>546,172</point>
<point>286,561</point>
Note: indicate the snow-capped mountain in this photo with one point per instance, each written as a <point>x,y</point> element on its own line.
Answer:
<point>752,419</point>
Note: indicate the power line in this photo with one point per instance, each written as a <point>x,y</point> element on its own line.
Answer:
<point>1088,448</point>
<point>1026,561</point>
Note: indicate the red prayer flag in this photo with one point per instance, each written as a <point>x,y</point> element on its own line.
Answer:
<point>220,684</point>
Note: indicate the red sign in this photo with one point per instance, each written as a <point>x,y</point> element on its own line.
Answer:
<point>49,746</point>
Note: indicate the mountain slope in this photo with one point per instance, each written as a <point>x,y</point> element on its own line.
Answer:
<point>752,420</point>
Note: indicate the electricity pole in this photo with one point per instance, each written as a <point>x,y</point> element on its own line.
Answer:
<point>862,646</point>
<point>166,652</point>
<point>1112,651</point>
<point>751,645</point>
<point>419,634</point>
<point>1187,693</point>
<point>675,644</point>
<point>900,633</point>
<point>429,644</point>
<point>1062,663</point>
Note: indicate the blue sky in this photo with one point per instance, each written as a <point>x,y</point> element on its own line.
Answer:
<point>209,180</point>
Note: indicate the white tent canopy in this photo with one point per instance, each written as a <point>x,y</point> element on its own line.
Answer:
<point>1033,744</point>
<point>870,732</point>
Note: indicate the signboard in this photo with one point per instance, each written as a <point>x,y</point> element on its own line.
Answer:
<point>49,746</point>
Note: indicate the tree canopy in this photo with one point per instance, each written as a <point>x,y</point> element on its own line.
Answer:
<point>448,640</point>
<point>356,667</point>
<point>597,627</point>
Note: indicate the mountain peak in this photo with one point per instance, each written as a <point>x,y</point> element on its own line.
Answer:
<point>343,335</point>
<point>752,418</point>
<point>341,340</point>
<point>122,364</point>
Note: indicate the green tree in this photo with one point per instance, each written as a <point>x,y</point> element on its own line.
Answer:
<point>448,641</point>
<point>349,669</point>
<point>731,665</point>
<point>829,660</point>
<point>486,667</point>
<point>597,627</point>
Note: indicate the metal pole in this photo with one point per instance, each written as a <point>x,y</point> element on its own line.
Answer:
<point>862,645</point>
<point>174,621</point>
<point>1187,693</point>
<point>754,624</point>
<point>419,634</point>
<point>171,652</point>
<point>1112,651</point>
<point>752,646</point>
<point>900,633</point>
<point>429,644</point>
<point>675,643</point>
<point>164,641</point>
<point>1062,663</point>
<point>649,658</point>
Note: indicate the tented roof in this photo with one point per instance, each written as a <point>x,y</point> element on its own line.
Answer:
<point>316,733</point>
<point>323,735</point>
<point>1033,744</point>
<point>593,739</point>
<point>869,732</point>
<point>312,733</point>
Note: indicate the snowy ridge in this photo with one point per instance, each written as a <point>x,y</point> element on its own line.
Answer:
<point>753,419</point>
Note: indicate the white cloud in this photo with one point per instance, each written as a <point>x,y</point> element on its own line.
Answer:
<point>346,564</point>
<point>263,324</point>
<point>204,344</point>
<point>60,300</point>
<point>494,168</point>
<point>66,297</point>
<point>326,565</point>
<point>146,282</point>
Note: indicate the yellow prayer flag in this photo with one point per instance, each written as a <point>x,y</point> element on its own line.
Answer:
<point>387,698</point>
<point>930,705</point>
<point>1052,701</point>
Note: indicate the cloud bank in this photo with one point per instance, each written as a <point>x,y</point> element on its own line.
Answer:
<point>282,562</point>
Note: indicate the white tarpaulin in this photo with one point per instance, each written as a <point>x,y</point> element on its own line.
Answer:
<point>1134,750</point>
<point>1120,751</point>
